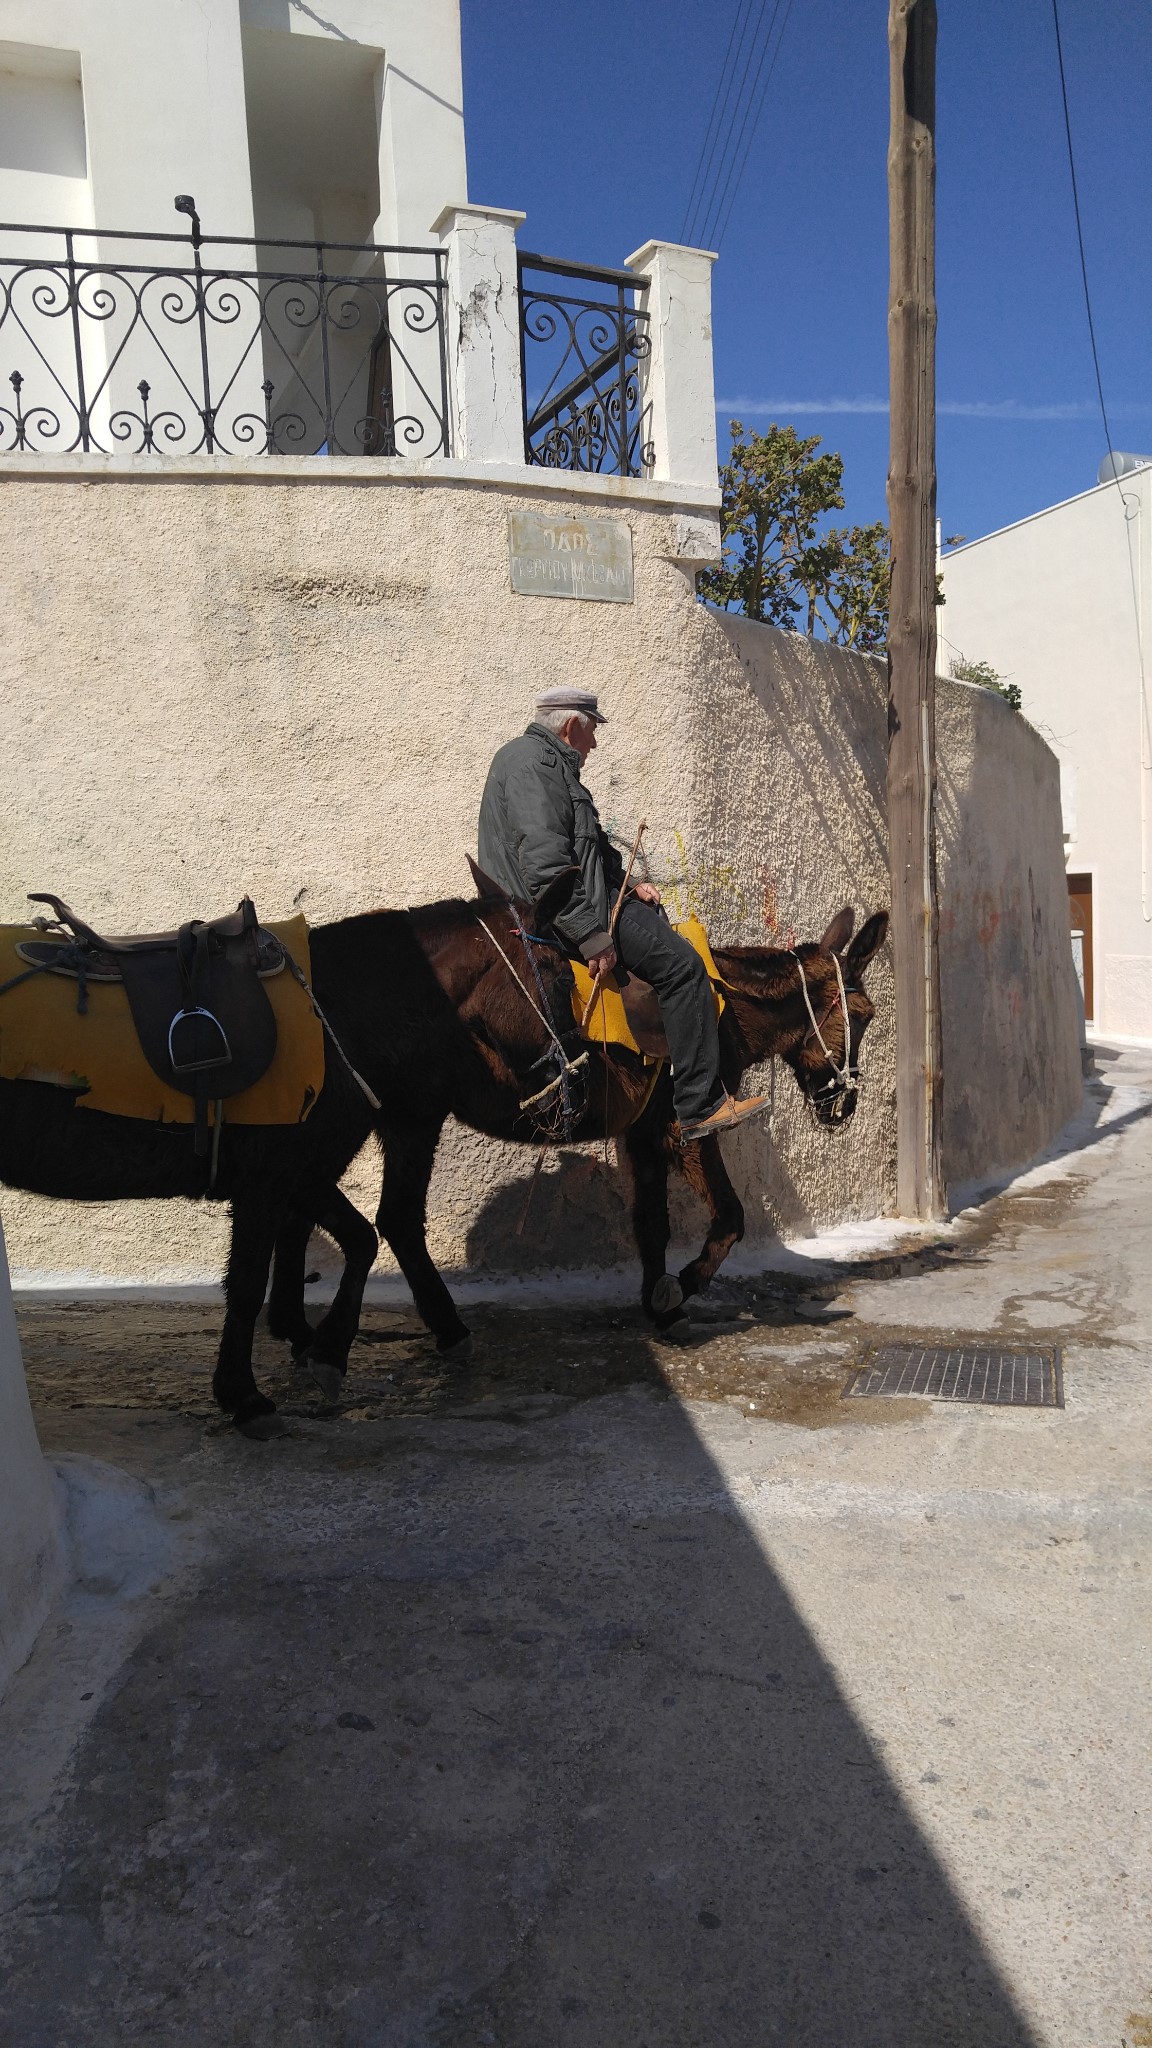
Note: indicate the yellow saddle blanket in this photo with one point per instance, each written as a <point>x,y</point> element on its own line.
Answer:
<point>608,1024</point>
<point>43,1038</point>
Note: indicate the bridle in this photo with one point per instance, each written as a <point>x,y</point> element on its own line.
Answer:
<point>557,1053</point>
<point>844,1079</point>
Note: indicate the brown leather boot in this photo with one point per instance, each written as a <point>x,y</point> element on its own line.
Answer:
<point>718,1121</point>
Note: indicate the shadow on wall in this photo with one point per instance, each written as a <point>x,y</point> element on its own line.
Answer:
<point>1012,1074</point>
<point>578,1211</point>
<point>554,1744</point>
<point>826,713</point>
<point>796,769</point>
<point>575,1212</point>
<point>1011,1039</point>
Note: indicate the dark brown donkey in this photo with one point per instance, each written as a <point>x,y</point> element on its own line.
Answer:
<point>423,1004</point>
<point>777,1004</point>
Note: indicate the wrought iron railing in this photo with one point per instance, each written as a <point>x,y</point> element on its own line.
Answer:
<point>109,345</point>
<point>581,352</point>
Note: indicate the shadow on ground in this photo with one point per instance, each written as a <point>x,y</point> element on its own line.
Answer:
<point>489,1725</point>
<point>478,1716</point>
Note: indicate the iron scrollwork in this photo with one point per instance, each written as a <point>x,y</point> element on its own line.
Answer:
<point>582,358</point>
<point>324,349</point>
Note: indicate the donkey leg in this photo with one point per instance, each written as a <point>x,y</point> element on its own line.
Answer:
<point>409,1151</point>
<point>706,1174</point>
<point>660,1293</point>
<point>254,1225</point>
<point>286,1317</point>
<point>326,1353</point>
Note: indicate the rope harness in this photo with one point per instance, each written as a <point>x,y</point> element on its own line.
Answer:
<point>832,1095</point>
<point>844,1079</point>
<point>372,1100</point>
<point>561,1082</point>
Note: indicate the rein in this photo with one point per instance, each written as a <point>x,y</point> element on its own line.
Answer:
<point>557,1051</point>
<point>372,1100</point>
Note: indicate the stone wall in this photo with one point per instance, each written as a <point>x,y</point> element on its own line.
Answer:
<point>290,682</point>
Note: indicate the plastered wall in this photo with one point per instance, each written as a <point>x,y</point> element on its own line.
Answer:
<point>292,686</point>
<point>1008,994</point>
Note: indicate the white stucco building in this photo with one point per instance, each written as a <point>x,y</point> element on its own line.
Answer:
<point>1061,605</point>
<point>342,123</point>
<point>243,228</point>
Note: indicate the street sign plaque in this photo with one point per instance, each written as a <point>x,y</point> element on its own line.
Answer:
<point>580,558</point>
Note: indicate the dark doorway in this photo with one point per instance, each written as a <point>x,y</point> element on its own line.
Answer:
<point>1080,916</point>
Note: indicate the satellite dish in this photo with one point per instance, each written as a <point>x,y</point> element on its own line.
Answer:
<point>1117,465</point>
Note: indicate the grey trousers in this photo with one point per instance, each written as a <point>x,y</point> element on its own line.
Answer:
<point>647,945</point>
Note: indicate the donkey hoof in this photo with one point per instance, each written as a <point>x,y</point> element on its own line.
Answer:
<point>666,1295</point>
<point>261,1429</point>
<point>458,1352</point>
<point>678,1331</point>
<point>328,1378</point>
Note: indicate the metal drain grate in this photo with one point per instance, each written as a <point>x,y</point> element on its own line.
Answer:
<point>962,1372</point>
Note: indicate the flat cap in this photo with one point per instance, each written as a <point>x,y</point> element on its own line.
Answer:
<point>582,702</point>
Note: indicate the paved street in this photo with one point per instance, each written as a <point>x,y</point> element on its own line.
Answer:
<point>621,1695</point>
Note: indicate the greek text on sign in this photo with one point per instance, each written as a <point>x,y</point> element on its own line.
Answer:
<point>589,558</point>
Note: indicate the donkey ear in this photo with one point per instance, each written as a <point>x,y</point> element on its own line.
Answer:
<point>485,886</point>
<point>867,943</point>
<point>555,896</point>
<point>839,931</point>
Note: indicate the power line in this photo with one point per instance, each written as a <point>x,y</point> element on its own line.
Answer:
<point>724,214</point>
<point>732,123</point>
<point>741,70</point>
<point>742,111</point>
<point>708,146</point>
<point>1080,230</point>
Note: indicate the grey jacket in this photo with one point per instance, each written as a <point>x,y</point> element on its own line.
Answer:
<point>537,818</point>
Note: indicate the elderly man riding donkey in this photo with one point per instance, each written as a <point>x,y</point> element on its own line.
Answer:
<point>538,822</point>
<point>249,1064</point>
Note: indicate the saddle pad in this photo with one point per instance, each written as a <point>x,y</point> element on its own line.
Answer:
<point>42,1038</point>
<point>608,1024</point>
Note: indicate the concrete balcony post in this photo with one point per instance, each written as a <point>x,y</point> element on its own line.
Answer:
<point>483,313</point>
<point>678,398</point>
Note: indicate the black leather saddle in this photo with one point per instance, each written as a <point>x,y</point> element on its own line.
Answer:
<point>196,994</point>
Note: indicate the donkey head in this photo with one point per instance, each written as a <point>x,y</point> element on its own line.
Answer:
<point>826,1059</point>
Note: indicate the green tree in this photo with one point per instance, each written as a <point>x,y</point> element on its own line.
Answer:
<point>857,600</point>
<point>782,564</point>
<point>982,672</point>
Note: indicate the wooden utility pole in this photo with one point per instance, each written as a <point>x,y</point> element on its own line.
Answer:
<point>912,617</point>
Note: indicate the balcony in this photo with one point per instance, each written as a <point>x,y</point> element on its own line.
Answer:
<point>185,344</point>
<point>583,341</point>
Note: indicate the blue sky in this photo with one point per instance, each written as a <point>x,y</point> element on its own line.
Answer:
<point>589,115</point>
